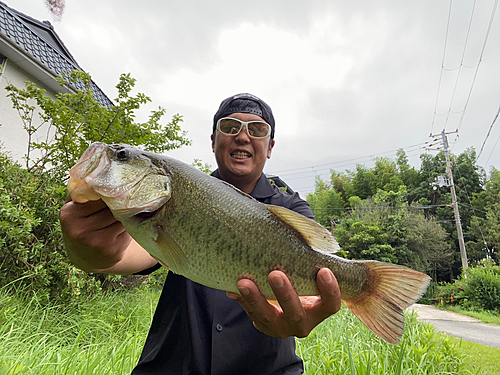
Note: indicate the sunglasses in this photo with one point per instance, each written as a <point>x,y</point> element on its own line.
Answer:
<point>232,126</point>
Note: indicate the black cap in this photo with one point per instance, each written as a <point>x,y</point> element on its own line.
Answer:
<point>245,103</point>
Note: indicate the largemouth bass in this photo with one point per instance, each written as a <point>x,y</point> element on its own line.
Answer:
<point>214,234</point>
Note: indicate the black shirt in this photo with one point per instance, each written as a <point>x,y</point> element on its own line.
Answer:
<point>198,330</point>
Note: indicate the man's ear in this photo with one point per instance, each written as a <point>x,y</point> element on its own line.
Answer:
<point>212,137</point>
<point>270,149</point>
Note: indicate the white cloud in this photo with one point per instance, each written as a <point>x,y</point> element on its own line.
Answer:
<point>344,79</point>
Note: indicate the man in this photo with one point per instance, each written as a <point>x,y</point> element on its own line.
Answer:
<point>199,330</point>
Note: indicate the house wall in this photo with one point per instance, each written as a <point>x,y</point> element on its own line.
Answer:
<point>13,137</point>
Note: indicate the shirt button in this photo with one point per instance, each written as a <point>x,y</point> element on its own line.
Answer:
<point>219,327</point>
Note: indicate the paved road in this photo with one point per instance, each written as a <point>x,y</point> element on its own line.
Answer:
<point>460,326</point>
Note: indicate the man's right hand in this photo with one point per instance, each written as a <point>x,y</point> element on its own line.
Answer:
<point>96,242</point>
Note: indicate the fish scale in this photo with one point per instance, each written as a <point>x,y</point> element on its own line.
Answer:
<point>214,234</point>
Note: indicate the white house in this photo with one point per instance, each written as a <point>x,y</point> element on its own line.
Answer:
<point>30,50</point>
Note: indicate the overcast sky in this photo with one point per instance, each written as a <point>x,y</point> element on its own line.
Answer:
<point>348,81</point>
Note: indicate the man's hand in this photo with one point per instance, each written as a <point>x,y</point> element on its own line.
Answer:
<point>94,239</point>
<point>96,242</point>
<point>296,316</point>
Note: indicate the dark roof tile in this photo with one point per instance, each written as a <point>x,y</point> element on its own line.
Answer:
<point>39,40</point>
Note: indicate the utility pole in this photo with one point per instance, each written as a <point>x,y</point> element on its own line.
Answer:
<point>454,203</point>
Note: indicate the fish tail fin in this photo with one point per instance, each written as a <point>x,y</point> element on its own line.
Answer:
<point>391,289</point>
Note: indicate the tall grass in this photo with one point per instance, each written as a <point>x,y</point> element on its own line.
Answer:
<point>105,335</point>
<point>342,345</point>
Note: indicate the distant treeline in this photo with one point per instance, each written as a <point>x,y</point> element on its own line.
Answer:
<point>397,213</point>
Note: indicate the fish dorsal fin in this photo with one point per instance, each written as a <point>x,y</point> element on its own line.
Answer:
<point>313,233</point>
<point>172,255</point>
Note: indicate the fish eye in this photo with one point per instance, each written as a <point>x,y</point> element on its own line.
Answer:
<point>122,154</point>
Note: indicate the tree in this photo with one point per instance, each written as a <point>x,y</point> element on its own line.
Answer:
<point>326,204</point>
<point>486,225</point>
<point>342,184</point>
<point>407,174</point>
<point>390,197</point>
<point>386,174</point>
<point>31,248</point>
<point>427,242</point>
<point>364,182</point>
<point>386,228</point>
<point>62,129</point>
<point>364,240</point>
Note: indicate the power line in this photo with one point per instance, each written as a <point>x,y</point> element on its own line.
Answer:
<point>442,67</point>
<point>479,62</point>
<point>341,163</point>
<point>489,157</point>
<point>324,170</point>
<point>472,208</point>
<point>461,65</point>
<point>488,134</point>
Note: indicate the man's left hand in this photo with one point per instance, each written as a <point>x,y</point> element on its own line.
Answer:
<point>295,316</point>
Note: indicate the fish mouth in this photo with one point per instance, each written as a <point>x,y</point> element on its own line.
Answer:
<point>91,163</point>
<point>148,215</point>
<point>143,216</point>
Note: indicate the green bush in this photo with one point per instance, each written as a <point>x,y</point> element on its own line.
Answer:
<point>31,248</point>
<point>479,291</point>
<point>482,288</point>
<point>431,295</point>
<point>451,294</point>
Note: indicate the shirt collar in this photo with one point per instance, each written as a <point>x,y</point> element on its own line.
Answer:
<point>262,190</point>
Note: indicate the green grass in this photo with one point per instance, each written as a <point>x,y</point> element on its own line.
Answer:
<point>342,345</point>
<point>99,336</point>
<point>105,335</point>
<point>480,359</point>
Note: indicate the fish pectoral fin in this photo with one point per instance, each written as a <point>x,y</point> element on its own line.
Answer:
<point>315,235</point>
<point>173,257</point>
<point>392,289</point>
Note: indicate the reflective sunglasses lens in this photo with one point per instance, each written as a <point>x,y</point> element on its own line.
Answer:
<point>258,129</point>
<point>229,126</point>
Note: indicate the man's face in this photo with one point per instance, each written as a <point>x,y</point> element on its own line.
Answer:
<point>239,156</point>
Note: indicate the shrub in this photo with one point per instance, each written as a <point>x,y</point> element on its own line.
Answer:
<point>479,291</point>
<point>431,295</point>
<point>450,294</point>
<point>31,248</point>
<point>482,288</point>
